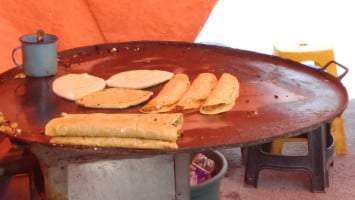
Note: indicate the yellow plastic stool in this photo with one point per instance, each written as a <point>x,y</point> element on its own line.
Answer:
<point>320,54</point>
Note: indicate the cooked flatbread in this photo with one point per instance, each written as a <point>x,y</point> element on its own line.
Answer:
<point>139,79</point>
<point>168,96</point>
<point>135,143</point>
<point>198,92</point>
<point>75,86</point>
<point>223,96</point>
<point>114,98</point>
<point>165,127</point>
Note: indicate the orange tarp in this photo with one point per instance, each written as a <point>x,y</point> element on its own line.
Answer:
<point>87,22</point>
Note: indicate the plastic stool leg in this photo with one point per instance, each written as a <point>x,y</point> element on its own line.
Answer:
<point>338,132</point>
<point>276,146</point>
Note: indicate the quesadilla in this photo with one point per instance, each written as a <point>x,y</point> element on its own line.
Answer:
<point>166,127</point>
<point>168,96</point>
<point>114,98</point>
<point>139,79</point>
<point>75,86</point>
<point>223,96</point>
<point>198,92</point>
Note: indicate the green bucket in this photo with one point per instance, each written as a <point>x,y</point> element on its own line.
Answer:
<point>209,190</point>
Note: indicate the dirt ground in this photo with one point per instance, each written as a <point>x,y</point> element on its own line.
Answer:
<point>280,185</point>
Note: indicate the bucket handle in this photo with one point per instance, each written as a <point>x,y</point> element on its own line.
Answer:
<point>346,70</point>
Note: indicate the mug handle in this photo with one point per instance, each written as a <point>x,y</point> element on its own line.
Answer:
<point>13,57</point>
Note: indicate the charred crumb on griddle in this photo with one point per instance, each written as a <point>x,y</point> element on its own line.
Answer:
<point>20,75</point>
<point>250,113</point>
<point>8,127</point>
<point>64,61</point>
<point>113,50</point>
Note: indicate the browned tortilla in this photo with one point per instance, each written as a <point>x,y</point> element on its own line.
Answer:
<point>169,95</point>
<point>114,98</point>
<point>223,96</point>
<point>198,92</point>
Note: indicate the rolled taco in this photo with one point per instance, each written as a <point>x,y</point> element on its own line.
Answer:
<point>198,92</point>
<point>168,96</point>
<point>223,96</point>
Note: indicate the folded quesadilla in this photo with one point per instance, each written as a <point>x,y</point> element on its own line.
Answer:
<point>198,92</point>
<point>168,96</point>
<point>223,96</point>
<point>165,127</point>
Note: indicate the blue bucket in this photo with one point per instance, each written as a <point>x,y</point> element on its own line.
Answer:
<point>209,190</point>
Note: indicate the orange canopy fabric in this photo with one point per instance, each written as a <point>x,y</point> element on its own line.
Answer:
<point>87,22</point>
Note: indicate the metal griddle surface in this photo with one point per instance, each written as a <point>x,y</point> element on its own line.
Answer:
<point>278,97</point>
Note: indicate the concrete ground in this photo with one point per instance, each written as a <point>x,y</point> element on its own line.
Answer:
<point>280,185</point>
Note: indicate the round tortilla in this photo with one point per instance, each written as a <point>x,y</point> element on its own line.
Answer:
<point>139,79</point>
<point>75,86</point>
<point>114,98</point>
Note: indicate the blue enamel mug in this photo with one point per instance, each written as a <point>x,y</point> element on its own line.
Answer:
<point>39,58</point>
